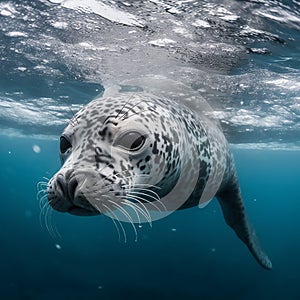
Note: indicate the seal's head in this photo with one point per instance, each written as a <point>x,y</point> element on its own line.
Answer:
<point>117,152</point>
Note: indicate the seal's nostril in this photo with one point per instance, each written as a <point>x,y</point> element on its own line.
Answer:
<point>61,185</point>
<point>72,185</point>
<point>66,187</point>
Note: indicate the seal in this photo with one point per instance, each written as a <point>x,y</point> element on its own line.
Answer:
<point>144,150</point>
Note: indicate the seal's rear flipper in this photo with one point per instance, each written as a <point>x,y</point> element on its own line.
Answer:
<point>233,209</point>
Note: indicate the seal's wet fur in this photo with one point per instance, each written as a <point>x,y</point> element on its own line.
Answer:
<point>116,147</point>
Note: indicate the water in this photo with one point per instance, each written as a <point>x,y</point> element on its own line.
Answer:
<point>242,56</point>
<point>202,258</point>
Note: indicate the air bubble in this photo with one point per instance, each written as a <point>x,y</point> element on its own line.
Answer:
<point>36,148</point>
<point>57,246</point>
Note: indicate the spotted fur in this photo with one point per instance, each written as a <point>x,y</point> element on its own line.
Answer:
<point>182,151</point>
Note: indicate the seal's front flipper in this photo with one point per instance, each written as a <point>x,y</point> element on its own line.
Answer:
<point>233,209</point>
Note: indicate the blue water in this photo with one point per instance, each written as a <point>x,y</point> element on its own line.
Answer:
<point>191,254</point>
<point>55,56</point>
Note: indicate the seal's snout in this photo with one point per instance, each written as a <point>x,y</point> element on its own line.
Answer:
<point>65,194</point>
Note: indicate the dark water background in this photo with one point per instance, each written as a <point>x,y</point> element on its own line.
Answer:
<point>191,254</point>
<point>244,60</point>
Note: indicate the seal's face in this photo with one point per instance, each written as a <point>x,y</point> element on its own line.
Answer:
<point>116,152</point>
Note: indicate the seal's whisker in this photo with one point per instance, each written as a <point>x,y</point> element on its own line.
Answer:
<point>143,212</point>
<point>128,189</point>
<point>73,121</point>
<point>103,195</point>
<point>141,190</point>
<point>41,193</point>
<point>118,230</point>
<point>156,196</point>
<point>127,215</point>
<point>130,108</point>
<point>56,233</point>
<point>136,113</point>
<point>42,214</point>
<point>124,105</point>
<point>45,217</point>
<point>75,117</point>
<point>157,199</point>
<point>136,198</point>
<point>133,114</point>
<point>134,206</point>
<point>127,178</point>
<point>117,219</point>
<point>48,221</point>
<point>44,206</point>
<point>113,220</point>
<point>134,209</point>
<point>144,184</point>
<point>123,117</point>
<point>148,185</point>
<point>141,203</point>
<point>41,184</point>
<point>43,201</point>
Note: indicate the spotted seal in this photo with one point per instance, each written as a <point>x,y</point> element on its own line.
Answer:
<point>144,148</point>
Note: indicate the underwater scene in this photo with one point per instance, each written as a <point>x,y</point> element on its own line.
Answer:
<point>193,72</point>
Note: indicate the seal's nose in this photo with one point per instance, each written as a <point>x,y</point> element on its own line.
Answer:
<point>66,186</point>
<point>66,192</point>
<point>61,185</point>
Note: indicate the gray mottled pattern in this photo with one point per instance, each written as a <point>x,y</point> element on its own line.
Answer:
<point>184,161</point>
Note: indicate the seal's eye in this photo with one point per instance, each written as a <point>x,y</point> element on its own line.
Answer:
<point>65,145</point>
<point>131,141</point>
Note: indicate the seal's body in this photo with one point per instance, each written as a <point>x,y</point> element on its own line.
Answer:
<point>139,152</point>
